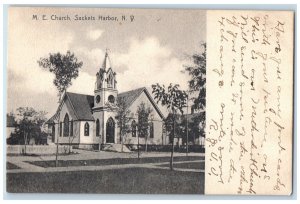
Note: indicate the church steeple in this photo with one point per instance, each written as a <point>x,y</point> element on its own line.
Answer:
<point>106,84</point>
<point>106,77</point>
<point>106,62</point>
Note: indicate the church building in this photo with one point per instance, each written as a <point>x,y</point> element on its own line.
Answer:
<point>87,121</point>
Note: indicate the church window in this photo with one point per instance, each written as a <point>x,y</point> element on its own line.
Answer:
<point>110,81</point>
<point>66,125</point>
<point>97,128</point>
<point>111,99</point>
<point>133,128</point>
<point>86,129</point>
<point>141,131</point>
<point>98,99</point>
<point>60,129</point>
<point>151,130</point>
<point>71,128</point>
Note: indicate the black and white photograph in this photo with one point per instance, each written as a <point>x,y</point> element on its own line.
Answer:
<point>105,100</point>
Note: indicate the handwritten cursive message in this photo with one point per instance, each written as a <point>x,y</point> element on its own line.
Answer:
<point>249,102</point>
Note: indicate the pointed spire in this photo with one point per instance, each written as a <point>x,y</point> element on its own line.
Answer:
<point>106,62</point>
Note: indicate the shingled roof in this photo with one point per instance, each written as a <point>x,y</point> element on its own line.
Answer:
<point>52,119</point>
<point>130,96</point>
<point>10,121</point>
<point>191,117</point>
<point>82,104</point>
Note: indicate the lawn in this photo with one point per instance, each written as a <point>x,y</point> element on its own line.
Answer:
<point>112,161</point>
<point>132,181</point>
<point>10,166</point>
<point>189,165</point>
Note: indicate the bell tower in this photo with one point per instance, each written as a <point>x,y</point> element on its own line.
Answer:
<point>105,102</point>
<point>106,85</point>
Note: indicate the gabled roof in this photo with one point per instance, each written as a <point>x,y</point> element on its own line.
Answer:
<point>129,96</point>
<point>191,117</point>
<point>10,121</point>
<point>52,119</point>
<point>82,105</point>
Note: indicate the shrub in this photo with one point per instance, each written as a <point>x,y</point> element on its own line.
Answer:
<point>167,148</point>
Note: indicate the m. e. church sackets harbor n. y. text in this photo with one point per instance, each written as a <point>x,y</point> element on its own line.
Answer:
<point>249,102</point>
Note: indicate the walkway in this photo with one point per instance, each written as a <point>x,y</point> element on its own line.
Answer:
<point>20,161</point>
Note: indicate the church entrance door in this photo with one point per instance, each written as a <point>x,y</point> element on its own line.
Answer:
<point>110,131</point>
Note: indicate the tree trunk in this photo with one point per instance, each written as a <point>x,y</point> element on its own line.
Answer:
<point>172,152</point>
<point>187,136</point>
<point>69,143</point>
<point>56,155</point>
<point>146,141</point>
<point>25,142</point>
<point>187,126</point>
<point>100,137</point>
<point>122,142</point>
<point>172,155</point>
<point>138,145</point>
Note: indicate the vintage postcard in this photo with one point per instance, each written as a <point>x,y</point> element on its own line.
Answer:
<point>149,101</point>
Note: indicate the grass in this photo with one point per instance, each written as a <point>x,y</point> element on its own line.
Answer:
<point>191,165</point>
<point>10,166</point>
<point>129,181</point>
<point>112,161</point>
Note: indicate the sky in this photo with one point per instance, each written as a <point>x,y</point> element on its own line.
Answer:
<point>153,48</point>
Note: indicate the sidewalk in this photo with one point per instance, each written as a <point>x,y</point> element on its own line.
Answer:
<point>20,161</point>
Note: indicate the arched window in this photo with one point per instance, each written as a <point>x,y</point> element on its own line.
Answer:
<point>110,130</point>
<point>71,128</point>
<point>110,81</point>
<point>97,128</point>
<point>133,128</point>
<point>60,129</point>
<point>86,129</point>
<point>66,125</point>
<point>151,127</point>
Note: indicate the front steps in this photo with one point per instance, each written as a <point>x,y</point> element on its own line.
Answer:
<point>115,148</point>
